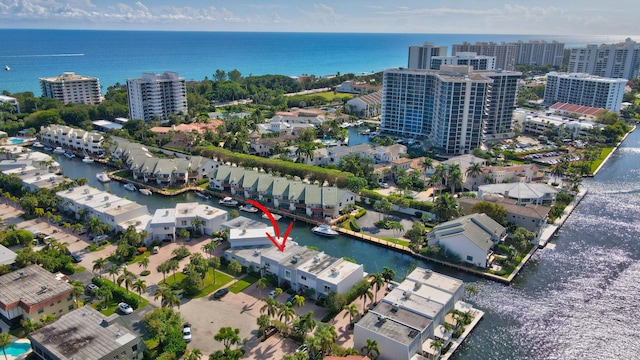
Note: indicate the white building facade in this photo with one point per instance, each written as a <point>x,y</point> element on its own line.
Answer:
<point>618,61</point>
<point>156,96</point>
<point>72,138</point>
<point>478,62</point>
<point>420,55</point>
<point>72,88</point>
<point>585,89</point>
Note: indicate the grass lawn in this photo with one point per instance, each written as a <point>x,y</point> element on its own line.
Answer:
<point>113,304</point>
<point>329,95</point>
<point>603,154</point>
<point>221,280</point>
<point>242,284</point>
<point>78,269</point>
<point>124,174</point>
<point>397,241</point>
<point>139,257</point>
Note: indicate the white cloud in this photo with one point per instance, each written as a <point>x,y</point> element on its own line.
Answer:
<point>142,6</point>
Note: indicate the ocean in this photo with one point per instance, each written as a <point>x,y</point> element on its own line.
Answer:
<point>114,56</point>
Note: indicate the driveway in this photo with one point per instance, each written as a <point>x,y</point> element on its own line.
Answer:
<point>367,222</point>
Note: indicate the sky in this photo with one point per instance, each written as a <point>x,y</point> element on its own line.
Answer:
<point>537,17</point>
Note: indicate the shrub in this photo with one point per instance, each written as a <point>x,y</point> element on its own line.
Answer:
<point>119,294</point>
<point>354,224</point>
<point>145,273</point>
<point>361,213</point>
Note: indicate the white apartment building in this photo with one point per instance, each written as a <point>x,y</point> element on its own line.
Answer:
<point>11,100</point>
<point>34,177</point>
<point>408,318</point>
<point>420,55</point>
<point>505,53</point>
<point>108,208</point>
<point>478,62</point>
<point>366,106</point>
<point>618,61</point>
<point>536,52</point>
<point>156,96</point>
<point>539,124</point>
<point>72,88</point>
<point>304,270</point>
<point>72,138</point>
<point>584,89</point>
<point>449,106</point>
<point>165,222</point>
<point>379,154</point>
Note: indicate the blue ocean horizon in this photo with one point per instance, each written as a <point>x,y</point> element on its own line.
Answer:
<point>114,56</point>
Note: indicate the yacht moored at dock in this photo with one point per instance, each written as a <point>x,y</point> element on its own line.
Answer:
<point>130,187</point>
<point>275,216</point>
<point>145,191</point>
<point>249,208</point>
<point>87,160</point>
<point>324,230</point>
<point>103,177</point>
<point>228,201</point>
<point>58,150</point>
<point>203,195</point>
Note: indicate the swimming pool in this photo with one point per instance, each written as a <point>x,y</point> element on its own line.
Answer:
<point>17,348</point>
<point>16,141</point>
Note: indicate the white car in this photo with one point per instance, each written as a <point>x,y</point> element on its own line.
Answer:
<point>384,185</point>
<point>125,308</point>
<point>272,294</point>
<point>186,332</point>
<point>100,238</point>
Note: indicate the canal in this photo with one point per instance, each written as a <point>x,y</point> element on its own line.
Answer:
<point>577,299</point>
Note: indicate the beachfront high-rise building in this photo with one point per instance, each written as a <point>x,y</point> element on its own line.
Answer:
<point>478,62</point>
<point>536,52</point>
<point>72,88</point>
<point>618,61</point>
<point>156,96</point>
<point>505,53</point>
<point>452,106</point>
<point>420,55</point>
<point>584,89</point>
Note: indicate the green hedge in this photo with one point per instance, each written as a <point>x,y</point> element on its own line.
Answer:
<point>361,213</point>
<point>354,224</point>
<point>336,177</point>
<point>119,294</point>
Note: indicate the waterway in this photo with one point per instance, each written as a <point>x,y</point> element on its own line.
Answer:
<point>577,301</point>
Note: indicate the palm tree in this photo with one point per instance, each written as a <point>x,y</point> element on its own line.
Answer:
<point>127,277</point>
<point>106,295</point>
<point>5,341</point>
<point>365,295</point>
<point>168,297</point>
<point>306,322</point>
<point>388,274</point>
<point>164,269</point>
<point>140,286</point>
<point>114,271</point>
<point>474,171</point>
<point>270,307</point>
<point>174,266</point>
<point>454,177</point>
<point>352,311</point>
<point>261,284</point>
<point>298,300</point>
<point>194,354</point>
<point>370,348</point>
<point>286,312</point>
<point>144,263</point>
<point>210,247</point>
<point>78,289</point>
<point>377,283</point>
<point>196,223</point>
<point>214,263</point>
<point>437,346</point>
<point>427,164</point>
<point>446,208</point>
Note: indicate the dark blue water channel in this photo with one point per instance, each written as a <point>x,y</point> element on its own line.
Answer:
<point>578,300</point>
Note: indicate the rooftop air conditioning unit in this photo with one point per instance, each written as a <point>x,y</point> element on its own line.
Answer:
<point>86,191</point>
<point>417,285</point>
<point>407,294</point>
<point>106,198</point>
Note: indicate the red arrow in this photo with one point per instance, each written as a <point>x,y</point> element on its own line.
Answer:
<point>275,226</point>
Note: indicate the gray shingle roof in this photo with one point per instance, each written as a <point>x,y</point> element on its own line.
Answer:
<point>478,228</point>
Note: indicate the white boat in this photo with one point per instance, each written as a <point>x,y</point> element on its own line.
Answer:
<point>324,230</point>
<point>130,187</point>
<point>69,154</point>
<point>103,177</point>
<point>203,195</point>
<point>364,132</point>
<point>249,208</point>
<point>228,201</point>
<point>87,160</point>
<point>58,150</point>
<point>38,145</point>
<point>275,216</point>
<point>7,68</point>
<point>145,191</point>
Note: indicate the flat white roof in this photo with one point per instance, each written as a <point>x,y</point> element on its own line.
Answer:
<point>338,271</point>
<point>164,216</point>
<point>436,280</point>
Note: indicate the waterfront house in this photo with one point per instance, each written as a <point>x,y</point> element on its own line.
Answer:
<point>529,216</point>
<point>366,106</point>
<point>31,293</point>
<point>465,162</point>
<point>333,155</point>
<point>72,138</point>
<point>470,237</point>
<point>410,316</point>
<point>288,196</point>
<point>265,146</point>
<point>524,193</point>
<point>85,333</point>
<point>304,270</point>
<point>165,222</point>
<point>353,87</point>
<point>514,173</point>
<point>35,178</point>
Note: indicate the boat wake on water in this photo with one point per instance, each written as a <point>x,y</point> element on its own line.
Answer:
<point>39,55</point>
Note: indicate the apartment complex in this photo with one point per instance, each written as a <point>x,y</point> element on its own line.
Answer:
<point>365,106</point>
<point>452,106</point>
<point>11,100</point>
<point>156,96</point>
<point>478,62</point>
<point>584,89</point>
<point>618,61</point>
<point>537,52</point>
<point>308,271</point>
<point>32,292</point>
<point>333,155</point>
<point>61,135</point>
<point>505,53</point>
<point>407,319</point>
<point>165,222</point>
<point>420,55</point>
<point>72,88</point>
<point>86,334</point>
<point>288,196</point>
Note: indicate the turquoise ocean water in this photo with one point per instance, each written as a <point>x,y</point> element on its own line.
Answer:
<point>114,56</point>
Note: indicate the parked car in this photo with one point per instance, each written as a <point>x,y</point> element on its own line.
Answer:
<point>384,185</point>
<point>125,308</point>
<point>186,332</point>
<point>272,293</point>
<point>156,249</point>
<point>92,288</point>
<point>220,293</point>
<point>269,332</point>
<point>76,257</point>
<point>302,349</point>
<point>100,238</point>
<point>291,299</point>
